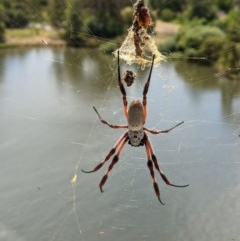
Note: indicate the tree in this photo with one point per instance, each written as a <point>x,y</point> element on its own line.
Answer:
<point>17,13</point>
<point>174,5</point>
<point>106,20</point>
<point>2,25</point>
<point>225,5</point>
<point>203,9</point>
<point>74,24</point>
<point>230,54</point>
<point>57,12</point>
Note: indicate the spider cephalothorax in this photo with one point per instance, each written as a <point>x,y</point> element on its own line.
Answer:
<point>136,138</point>
<point>136,135</point>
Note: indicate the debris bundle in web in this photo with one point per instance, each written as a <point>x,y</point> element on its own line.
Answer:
<point>139,47</point>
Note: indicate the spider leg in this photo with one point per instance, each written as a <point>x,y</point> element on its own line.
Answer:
<point>114,161</point>
<point>122,89</point>
<point>154,158</point>
<point>150,166</point>
<point>112,151</point>
<point>162,131</point>
<point>145,90</point>
<point>107,123</point>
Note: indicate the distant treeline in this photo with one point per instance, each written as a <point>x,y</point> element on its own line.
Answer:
<point>101,18</point>
<point>104,18</point>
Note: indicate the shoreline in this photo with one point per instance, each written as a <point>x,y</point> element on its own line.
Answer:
<point>31,37</point>
<point>38,37</point>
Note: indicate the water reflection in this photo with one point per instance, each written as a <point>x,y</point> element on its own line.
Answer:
<point>202,79</point>
<point>83,70</point>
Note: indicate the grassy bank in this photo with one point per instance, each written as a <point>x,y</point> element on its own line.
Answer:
<point>53,37</point>
<point>32,37</point>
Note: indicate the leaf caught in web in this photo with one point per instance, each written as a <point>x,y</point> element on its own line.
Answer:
<point>74,179</point>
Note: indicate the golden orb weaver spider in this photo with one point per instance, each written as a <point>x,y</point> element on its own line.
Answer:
<point>136,135</point>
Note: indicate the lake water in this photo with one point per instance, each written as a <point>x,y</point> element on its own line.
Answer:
<point>49,132</point>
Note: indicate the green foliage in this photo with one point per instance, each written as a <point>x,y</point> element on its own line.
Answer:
<point>224,5</point>
<point>74,24</point>
<point>231,25</point>
<point>105,20</point>
<point>193,36</point>
<point>168,46</point>
<point>201,10</point>
<point>38,9</point>
<point>105,28</point>
<point>107,47</point>
<point>167,14</point>
<point>200,41</point>
<point>230,55</point>
<point>2,12</point>
<point>57,12</point>
<point>2,26</point>
<point>127,16</point>
<point>16,19</point>
<point>174,5</point>
<point>2,32</point>
<point>230,59</point>
<point>17,13</point>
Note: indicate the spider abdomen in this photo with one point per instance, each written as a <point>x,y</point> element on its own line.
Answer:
<point>135,116</point>
<point>135,123</point>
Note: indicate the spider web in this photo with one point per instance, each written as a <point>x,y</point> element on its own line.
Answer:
<point>203,152</point>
